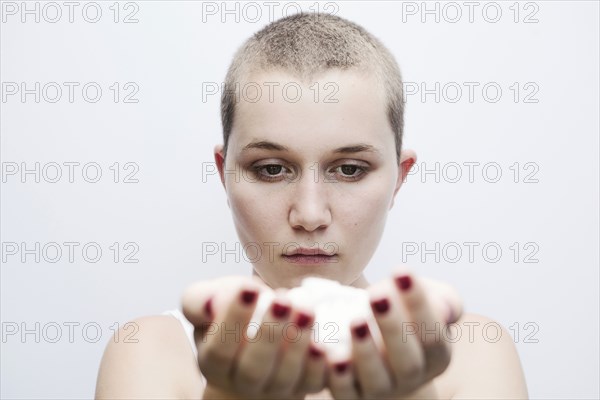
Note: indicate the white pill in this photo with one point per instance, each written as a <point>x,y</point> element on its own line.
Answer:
<point>335,307</point>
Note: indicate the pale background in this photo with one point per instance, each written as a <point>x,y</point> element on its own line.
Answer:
<point>172,210</point>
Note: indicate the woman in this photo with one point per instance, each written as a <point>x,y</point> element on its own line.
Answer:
<point>310,178</point>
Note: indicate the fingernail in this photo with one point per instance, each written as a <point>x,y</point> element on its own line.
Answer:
<point>361,331</point>
<point>303,320</point>
<point>315,353</point>
<point>248,296</point>
<point>280,310</point>
<point>404,282</point>
<point>381,306</point>
<point>341,367</point>
<point>208,308</point>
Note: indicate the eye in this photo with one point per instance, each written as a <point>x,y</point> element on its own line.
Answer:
<point>273,169</point>
<point>349,169</point>
<point>270,172</point>
<point>350,172</point>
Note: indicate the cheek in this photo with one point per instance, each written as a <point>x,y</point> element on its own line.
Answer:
<point>365,207</point>
<point>253,212</point>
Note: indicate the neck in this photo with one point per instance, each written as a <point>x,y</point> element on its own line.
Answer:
<point>361,282</point>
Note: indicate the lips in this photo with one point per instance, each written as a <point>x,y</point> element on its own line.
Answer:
<point>307,259</point>
<point>310,256</point>
<point>308,252</point>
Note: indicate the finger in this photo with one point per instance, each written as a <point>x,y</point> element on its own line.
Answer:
<point>314,375</point>
<point>200,298</point>
<point>342,382</point>
<point>218,348</point>
<point>428,324</point>
<point>402,349</point>
<point>296,340</point>
<point>444,298</point>
<point>256,362</point>
<point>369,367</point>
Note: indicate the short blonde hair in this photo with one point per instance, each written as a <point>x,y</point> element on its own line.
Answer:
<point>306,44</point>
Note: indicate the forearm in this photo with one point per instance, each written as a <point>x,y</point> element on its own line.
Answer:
<point>428,391</point>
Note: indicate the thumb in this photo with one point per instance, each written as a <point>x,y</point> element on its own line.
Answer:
<point>444,298</point>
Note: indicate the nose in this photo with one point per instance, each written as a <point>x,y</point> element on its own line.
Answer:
<point>310,208</point>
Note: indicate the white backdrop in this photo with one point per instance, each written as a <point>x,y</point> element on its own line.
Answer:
<point>502,109</point>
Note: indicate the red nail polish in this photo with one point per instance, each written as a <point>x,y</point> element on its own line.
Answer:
<point>315,353</point>
<point>248,296</point>
<point>381,306</point>
<point>404,282</point>
<point>341,367</point>
<point>361,331</point>
<point>303,320</point>
<point>208,308</point>
<point>280,310</point>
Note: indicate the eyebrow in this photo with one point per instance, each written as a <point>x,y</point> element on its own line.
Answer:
<point>354,148</point>
<point>265,145</point>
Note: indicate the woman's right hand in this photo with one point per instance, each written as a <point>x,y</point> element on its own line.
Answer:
<point>279,362</point>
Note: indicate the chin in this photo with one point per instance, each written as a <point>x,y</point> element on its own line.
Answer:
<point>277,281</point>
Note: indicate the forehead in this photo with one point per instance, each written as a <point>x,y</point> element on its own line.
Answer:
<point>333,106</point>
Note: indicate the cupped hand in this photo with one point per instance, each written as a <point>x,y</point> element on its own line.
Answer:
<point>279,361</point>
<point>412,315</point>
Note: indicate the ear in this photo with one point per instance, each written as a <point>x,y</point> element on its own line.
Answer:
<point>407,160</point>
<point>220,161</point>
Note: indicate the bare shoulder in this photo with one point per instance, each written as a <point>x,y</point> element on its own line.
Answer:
<point>484,363</point>
<point>155,362</point>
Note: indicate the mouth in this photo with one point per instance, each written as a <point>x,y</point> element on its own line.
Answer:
<point>314,259</point>
<point>310,257</point>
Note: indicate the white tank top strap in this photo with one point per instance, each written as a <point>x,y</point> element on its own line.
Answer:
<point>187,327</point>
<point>189,332</point>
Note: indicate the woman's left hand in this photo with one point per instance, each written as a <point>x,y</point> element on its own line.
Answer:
<point>411,314</point>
